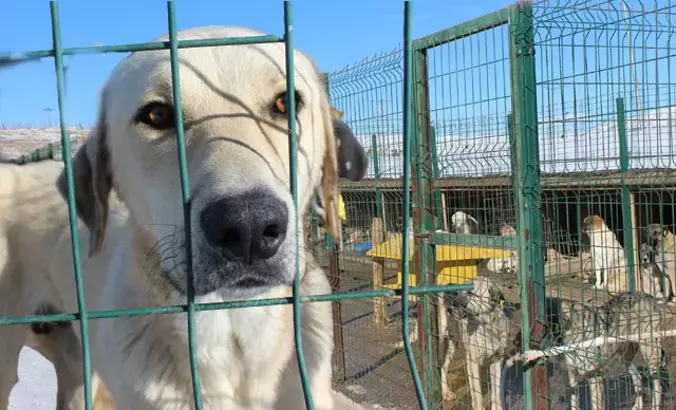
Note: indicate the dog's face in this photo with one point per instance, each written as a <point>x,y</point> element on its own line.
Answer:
<point>647,253</point>
<point>485,298</point>
<point>656,234</point>
<point>593,224</point>
<point>243,225</point>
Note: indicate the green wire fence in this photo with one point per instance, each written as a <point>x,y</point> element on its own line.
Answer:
<point>502,133</point>
<point>191,308</point>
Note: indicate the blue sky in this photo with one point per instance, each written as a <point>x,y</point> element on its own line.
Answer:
<point>334,33</point>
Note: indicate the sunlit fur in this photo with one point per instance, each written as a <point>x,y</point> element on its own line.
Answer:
<point>607,255</point>
<point>133,244</point>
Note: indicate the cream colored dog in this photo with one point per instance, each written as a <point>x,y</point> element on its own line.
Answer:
<point>464,223</point>
<point>607,255</point>
<point>135,252</point>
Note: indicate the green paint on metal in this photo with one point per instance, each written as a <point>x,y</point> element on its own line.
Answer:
<point>485,241</point>
<point>586,60</point>
<point>185,196</point>
<point>293,177</point>
<point>376,174</point>
<point>528,193</point>
<point>424,217</point>
<point>406,211</point>
<point>438,203</point>
<point>6,58</point>
<point>475,26</point>
<point>72,212</point>
<point>627,226</point>
<point>240,304</point>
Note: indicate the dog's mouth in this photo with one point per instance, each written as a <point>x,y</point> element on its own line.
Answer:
<point>457,305</point>
<point>231,279</point>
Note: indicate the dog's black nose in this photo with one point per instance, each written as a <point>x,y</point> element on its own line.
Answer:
<point>248,226</point>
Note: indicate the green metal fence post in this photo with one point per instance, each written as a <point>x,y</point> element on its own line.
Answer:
<point>425,257</point>
<point>185,196</point>
<point>293,167</point>
<point>72,212</point>
<point>627,228</point>
<point>406,210</point>
<point>528,195</point>
<point>438,203</point>
<point>380,209</point>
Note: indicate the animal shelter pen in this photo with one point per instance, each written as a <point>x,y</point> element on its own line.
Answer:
<point>534,117</point>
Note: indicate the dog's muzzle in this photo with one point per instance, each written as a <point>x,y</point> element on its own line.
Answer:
<point>244,236</point>
<point>456,303</point>
<point>246,228</point>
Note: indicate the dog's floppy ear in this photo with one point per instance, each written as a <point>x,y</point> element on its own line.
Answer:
<point>92,182</point>
<point>329,188</point>
<point>352,159</point>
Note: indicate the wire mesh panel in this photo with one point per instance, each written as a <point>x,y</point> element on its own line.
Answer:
<point>605,106</point>
<point>374,364</point>
<point>465,119</point>
<point>519,196</point>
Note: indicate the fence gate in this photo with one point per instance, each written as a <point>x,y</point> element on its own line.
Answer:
<point>475,105</point>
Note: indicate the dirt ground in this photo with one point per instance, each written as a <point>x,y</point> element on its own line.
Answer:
<point>377,372</point>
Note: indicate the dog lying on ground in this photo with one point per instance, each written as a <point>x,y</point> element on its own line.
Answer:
<point>607,255</point>
<point>242,224</point>
<point>624,314</point>
<point>664,243</point>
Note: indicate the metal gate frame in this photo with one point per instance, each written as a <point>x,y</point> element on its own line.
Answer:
<point>523,130</point>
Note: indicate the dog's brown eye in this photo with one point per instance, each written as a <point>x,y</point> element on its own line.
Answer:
<point>281,103</point>
<point>157,115</point>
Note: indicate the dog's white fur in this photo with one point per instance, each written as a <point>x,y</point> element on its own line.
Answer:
<point>484,327</point>
<point>464,223</point>
<point>134,255</point>
<point>607,255</point>
<point>510,264</point>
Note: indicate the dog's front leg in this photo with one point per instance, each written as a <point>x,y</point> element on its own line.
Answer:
<point>598,272</point>
<point>573,385</point>
<point>472,366</point>
<point>447,394</point>
<point>657,392</point>
<point>672,278</point>
<point>317,333</point>
<point>496,373</point>
<point>598,401</point>
<point>636,382</point>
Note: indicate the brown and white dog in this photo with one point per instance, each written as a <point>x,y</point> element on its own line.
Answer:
<point>664,243</point>
<point>607,255</point>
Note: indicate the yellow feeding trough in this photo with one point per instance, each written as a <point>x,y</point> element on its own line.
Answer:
<point>455,263</point>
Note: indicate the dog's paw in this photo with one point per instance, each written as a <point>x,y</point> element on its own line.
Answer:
<point>449,396</point>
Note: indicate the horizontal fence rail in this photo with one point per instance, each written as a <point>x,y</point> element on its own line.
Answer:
<point>492,145</point>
